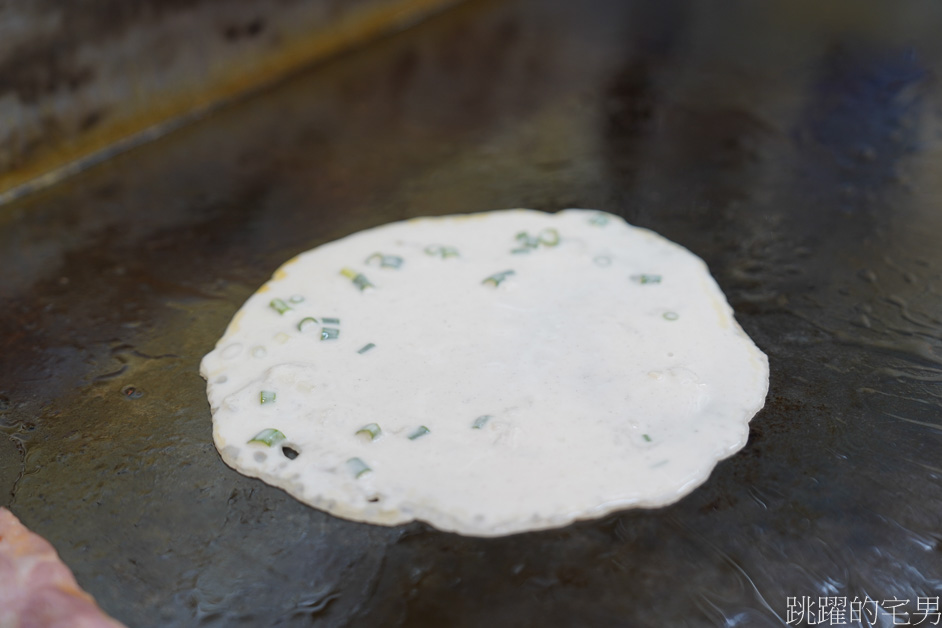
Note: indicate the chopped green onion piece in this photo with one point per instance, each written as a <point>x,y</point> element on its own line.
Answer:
<point>366,348</point>
<point>279,306</point>
<point>549,237</point>
<point>268,437</point>
<point>497,278</point>
<point>306,323</point>
<point>646,438</point>
<point>599,220</point>
<point>419,431</point>
<point>643,279</point>
<point>330,321</point>
<point>358,280</point>
<point>441,251</point>
<point>671,316</point>
<point>329,333</point>
<point>527,240</point>
<point>480,421</point>
<point>266,396</point>
<point>296,298</point>
<point>372,430</point>
<point>358,467</point>
<point>385,261</point>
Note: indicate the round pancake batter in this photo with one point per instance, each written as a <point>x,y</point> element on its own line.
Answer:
<point>489,373</point>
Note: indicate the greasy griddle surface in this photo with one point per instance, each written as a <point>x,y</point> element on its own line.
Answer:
<point>796,150</point>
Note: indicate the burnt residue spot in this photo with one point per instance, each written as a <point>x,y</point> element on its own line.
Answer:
<point>132,392</point>
<point>509,31</point>
<point>91,119</point>
<point>42,67</point>
<point>254,27</point>
<point>290,453</point>
<point>723,502</point>
<point>631,101</point>
<point>403,70</point>
<point>235,32</point>
<point>12,456</point>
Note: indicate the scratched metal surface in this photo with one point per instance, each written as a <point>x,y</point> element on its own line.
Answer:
<point>795,148</point>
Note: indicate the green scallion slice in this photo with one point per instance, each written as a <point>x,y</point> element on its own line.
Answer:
<point>358,279</point>
<point>528,240</point>
<point>546,237</point>
<point>644,279</point>
<point>671,316</point>
<point>266,396</point>
<point>419,432</point>
<point>372,430</point>
<point>366,348</point>
<point>646,438</point>
<point>330,321</point>
<point>549,237</point>
<point>358,467</point>
<point>438,250</point>
<point>385,261</point>
<point>329,333</point>
<point>306,323</point>
<point>279,306</point>
<point>268,437</point>
<point>497,278</point>
<point>296,298</point>
<point>480,421</point>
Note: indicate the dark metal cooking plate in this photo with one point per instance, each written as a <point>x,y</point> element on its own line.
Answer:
<point>795,148</point>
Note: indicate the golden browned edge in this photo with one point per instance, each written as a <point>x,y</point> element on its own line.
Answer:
<point>355,29</point>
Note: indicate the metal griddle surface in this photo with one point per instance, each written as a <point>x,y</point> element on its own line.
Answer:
<point>795,149</point>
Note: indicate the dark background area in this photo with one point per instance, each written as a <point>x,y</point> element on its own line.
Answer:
<point>794,146</point>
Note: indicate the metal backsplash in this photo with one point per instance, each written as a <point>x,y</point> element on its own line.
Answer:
<point>82,79</point>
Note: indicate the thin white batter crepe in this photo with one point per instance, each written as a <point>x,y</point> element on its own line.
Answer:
<point>488,374</point>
